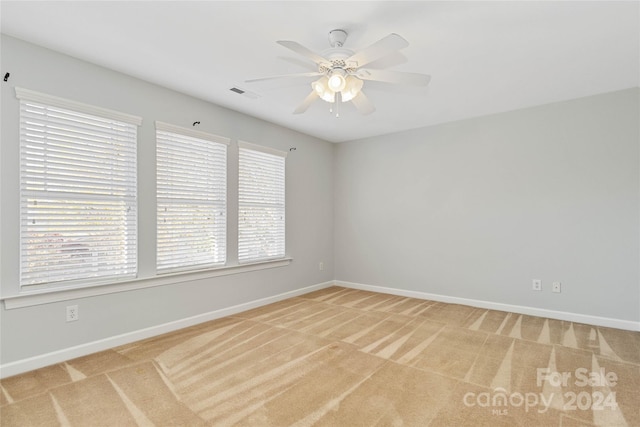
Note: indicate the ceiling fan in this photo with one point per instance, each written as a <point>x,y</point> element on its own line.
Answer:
<point>342,73</point>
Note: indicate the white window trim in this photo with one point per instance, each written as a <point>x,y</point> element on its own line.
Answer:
<point>31,95</point>
<point>262,148</point>
<point>168,127</point>
<point>48,296</point>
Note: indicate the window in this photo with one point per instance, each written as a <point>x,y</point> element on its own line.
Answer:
<point>78,211</point>
<point>261,207</point>
<point>192,198</point>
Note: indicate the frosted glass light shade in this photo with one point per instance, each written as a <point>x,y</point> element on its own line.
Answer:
<point>337,82</point>
<point>320,87</point>
<point>352,88</point>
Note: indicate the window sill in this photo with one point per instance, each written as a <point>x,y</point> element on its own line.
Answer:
<point>28,299</point>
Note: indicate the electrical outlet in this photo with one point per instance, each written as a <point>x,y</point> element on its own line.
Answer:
<point>556,287</point>
<point>536,285</point>
<point>72,313</point>
<point>321,266</point>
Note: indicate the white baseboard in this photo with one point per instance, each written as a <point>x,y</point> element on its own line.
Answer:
<point>531,311</point>
<point>40,361</point>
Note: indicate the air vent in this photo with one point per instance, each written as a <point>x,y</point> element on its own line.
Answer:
<point>243,92</point>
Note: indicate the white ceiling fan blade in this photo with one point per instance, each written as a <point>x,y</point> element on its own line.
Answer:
<point>301,50</point>
<point>363,104</point>
<point>412,79</point>
<point>302,62</point>
<point>382,47</point>
<point>388,61</point>
<point>284,76</point>
<point>306,103</point>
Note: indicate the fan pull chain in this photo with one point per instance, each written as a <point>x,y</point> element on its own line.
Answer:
<point>336,104</point>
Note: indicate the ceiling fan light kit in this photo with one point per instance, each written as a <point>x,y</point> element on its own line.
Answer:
<point>342,77</point>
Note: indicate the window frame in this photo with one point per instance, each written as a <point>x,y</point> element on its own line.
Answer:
<point>220,203</point>
<point>268,153</point>
<point>77,192</point>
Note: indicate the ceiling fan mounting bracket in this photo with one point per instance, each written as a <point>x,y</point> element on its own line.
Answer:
<point>337,38</point>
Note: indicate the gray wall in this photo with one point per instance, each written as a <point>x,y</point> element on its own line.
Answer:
<point>478,208</point>
<point>41,329</point>
<point>472,209</point>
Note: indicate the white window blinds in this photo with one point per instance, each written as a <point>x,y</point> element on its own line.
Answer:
<point>191,197</point>
<point>78,212</point>
<point>261,203</point>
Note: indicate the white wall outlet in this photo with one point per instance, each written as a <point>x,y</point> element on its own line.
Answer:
<point>556,287</point>
<point>72,313</point>
<point>321,266</point>
<point>536,285</point>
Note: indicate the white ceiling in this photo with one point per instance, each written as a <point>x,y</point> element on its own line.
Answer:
<point>484,57</point>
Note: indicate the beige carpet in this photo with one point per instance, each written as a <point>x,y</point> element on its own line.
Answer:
<point>343,357</point>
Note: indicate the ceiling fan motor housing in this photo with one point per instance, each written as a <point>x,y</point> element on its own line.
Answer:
<point>337,58</point>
